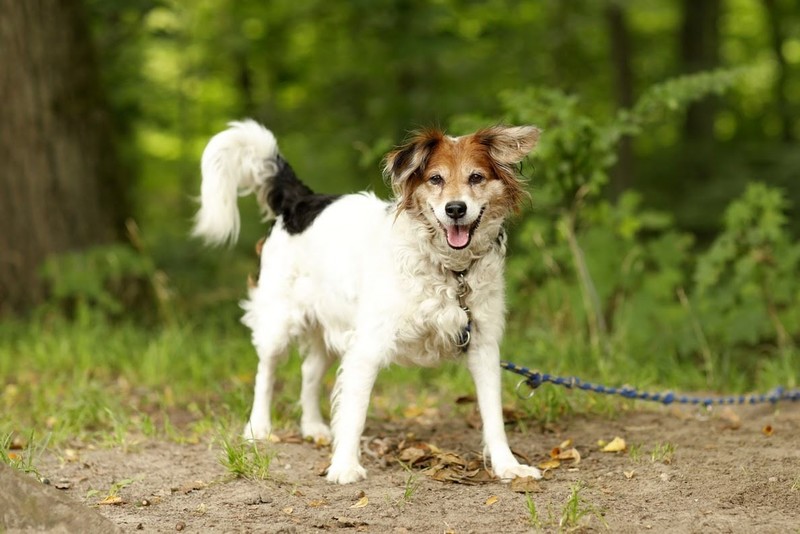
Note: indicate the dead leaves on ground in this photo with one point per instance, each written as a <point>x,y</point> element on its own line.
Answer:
<point>449,466</point>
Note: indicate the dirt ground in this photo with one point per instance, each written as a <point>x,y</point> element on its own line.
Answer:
<point>730,472</point>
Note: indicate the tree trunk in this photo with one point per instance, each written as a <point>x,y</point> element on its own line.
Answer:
<point>700,51</point>
<point>61,188</point>
<point>622,174</point>
<point>777,39</point>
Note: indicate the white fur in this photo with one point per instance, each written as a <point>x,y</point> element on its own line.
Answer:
<point>365,284</point>
<point>236,162</point>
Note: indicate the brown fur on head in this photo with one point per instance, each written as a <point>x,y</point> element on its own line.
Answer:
<point>437,176</point>
<point>500,147</point>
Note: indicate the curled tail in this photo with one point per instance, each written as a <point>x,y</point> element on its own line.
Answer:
<point>239,161</point>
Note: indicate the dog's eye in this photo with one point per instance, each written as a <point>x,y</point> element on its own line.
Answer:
<point>475,178</point>
<point>436,179</point>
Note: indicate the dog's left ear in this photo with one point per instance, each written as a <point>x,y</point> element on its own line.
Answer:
<point>508,145</point>
<point>403,166</point>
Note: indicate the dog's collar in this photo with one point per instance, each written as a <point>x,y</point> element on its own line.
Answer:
<point>464,338</point>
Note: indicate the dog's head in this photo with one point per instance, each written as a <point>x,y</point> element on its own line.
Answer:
<point>458,183</point>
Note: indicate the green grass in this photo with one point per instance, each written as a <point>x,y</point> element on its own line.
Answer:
<point>246,459</point>
<point>663,452</point>
<point>533,514</point>
<point>115,383</point>
<point>575,513</point>
<point>635,452</point>
<point>22,460</point>
<point>576,508</point>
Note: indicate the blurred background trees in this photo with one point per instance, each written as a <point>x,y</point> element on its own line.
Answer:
<point>645,232</point>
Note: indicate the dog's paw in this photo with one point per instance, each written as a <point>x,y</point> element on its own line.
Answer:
<point>319,432</point>
<point>253,432</point>
<point>346,475</point>
<point>517,470</point>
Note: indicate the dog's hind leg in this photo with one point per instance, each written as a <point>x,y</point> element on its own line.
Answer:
<point>271,344</point>
<point>316,361</point>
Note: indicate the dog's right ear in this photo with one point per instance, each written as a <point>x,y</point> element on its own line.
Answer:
<point>403,166</point>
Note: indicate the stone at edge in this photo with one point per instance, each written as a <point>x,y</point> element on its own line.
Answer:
<point>27,505</point>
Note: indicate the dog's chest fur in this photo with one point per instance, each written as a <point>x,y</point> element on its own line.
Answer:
<point>432,322</point>
<point>429,327</point>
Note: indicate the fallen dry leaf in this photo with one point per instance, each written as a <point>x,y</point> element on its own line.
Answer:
<point>525,485</point>
<point>767,430</point>
<point>288,510</point>
<point>616,445</point>
<point>629,474</point>
<point>569,454</point>
<point>449,458</point>
<point>491,500</point>
<point>549,464</point>
<point>412,455</point>
<point>362,502</point>
<point>317,503</point>
<point>566,444</point>
<point>111,499</point>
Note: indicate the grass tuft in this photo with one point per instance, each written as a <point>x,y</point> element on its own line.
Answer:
<point>22,461</point>
<point>663,452</point>
<point>575,509</point>
<point>246,459</point>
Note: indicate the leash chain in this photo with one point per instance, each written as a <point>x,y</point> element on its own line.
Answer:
<point>462,342</point>
<point>534,379</point>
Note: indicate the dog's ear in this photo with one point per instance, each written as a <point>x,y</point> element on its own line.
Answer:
<point>403,166</point>
<point>508,145</point>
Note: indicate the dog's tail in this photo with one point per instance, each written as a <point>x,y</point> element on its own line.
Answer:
<point>239,161</point>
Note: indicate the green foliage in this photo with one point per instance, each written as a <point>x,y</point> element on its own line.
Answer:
<point>616,277</point>
<point>109,278</point>
<point>748,277</point>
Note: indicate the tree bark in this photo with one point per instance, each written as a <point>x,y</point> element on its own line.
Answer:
<point>700,51</point>
<point>61,188</point>
<point>777,39</point>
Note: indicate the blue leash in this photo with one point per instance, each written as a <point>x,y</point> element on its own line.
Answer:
<point>534,379</point>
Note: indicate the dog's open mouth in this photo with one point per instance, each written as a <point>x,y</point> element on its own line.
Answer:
<point>459,235</point>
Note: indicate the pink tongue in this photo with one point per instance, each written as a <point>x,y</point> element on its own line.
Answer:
<point>457,236</point>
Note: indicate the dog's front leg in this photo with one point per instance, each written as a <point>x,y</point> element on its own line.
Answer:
<point>484,364</point>
<point>354,382</point>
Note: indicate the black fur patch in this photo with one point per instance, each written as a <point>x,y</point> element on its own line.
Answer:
<point>294,201</point>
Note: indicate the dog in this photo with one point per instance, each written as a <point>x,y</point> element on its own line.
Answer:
<point>414,280</point>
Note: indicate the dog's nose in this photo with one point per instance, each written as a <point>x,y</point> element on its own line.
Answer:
<point>455,209</point>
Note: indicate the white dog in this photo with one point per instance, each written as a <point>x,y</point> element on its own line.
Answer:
<point>416,280</point>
